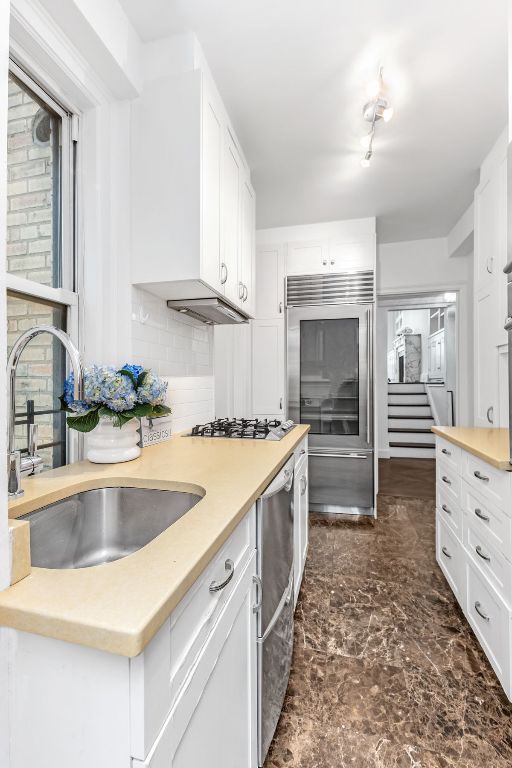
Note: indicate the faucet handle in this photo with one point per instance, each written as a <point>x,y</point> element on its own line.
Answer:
<point>33,439</point>
<point>14,474</point>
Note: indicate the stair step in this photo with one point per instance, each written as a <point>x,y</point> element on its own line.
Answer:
<point>412,453</point>
<point>407,398</point>
<point>408,443</point>
<point>415,411</point>
<point>411,435</point>
<point>409,422</point>
<point>405,387</point>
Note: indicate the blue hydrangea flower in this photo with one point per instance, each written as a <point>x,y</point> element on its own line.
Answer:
<point>103,386</point>
<point>135,370</point>
<point>153,390</point>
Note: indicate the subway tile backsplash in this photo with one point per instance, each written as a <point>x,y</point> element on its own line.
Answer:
<point>166,341</point>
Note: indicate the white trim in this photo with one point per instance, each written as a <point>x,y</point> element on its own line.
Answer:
<point>435,413</point>
<point>40,291</point>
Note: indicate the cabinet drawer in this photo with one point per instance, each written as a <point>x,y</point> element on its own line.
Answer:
<point>495,484</point>
<point>490,620</point>
<point>157,674</point>
<point>449,481</point>
<point>450,556</point>
<point>490,561</point>
<point>486,518</point>
<point>193,619</point>
<point>449,453</point>
<point>449,510</point>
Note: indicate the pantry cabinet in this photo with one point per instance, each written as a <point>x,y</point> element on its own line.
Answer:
<point>192,206</point>
<point>486,358</point>
<point>268,368</point>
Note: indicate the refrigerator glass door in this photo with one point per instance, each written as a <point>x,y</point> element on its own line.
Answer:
<point>328,374</point>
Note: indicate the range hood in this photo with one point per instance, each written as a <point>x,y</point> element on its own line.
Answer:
<point>212,311</point>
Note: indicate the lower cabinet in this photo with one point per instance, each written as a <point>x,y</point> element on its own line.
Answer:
<point>473,536</point>
<point>188,700</point>
<point>214,719</point>
<point>301,516</point>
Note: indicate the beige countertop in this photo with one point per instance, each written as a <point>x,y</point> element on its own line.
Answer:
<point>119,606</point>
<point>490,445</point>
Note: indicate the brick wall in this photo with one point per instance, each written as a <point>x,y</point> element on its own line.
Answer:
<point>30,255</point>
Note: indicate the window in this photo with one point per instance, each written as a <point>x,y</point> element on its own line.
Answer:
<point>41,158</point>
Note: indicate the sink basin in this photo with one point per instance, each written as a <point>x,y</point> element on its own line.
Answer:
<point>102,525</point>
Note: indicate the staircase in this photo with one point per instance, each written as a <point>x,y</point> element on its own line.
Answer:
<point>409,422</point>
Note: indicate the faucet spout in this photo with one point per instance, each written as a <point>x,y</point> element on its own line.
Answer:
<point>16,467</point>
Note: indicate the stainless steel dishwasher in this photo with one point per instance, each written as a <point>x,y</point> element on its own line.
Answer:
<point>275,616</point>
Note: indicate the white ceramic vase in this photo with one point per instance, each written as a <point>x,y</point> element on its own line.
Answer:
<point>107,444</point>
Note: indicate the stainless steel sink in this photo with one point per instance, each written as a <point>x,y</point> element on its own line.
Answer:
<point>102,525</point>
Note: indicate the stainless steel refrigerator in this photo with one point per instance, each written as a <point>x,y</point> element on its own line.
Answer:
<point>330,385</point>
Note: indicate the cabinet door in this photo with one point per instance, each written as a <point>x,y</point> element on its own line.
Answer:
<point>268,384</point>
<point>231,220</point>
<point>486,360</point>
<point>345,256</point>
<point>211,190</point>
<point>247,256</point>
<point>490,227</point>
<point>270,281</point>
<point>310,258</point>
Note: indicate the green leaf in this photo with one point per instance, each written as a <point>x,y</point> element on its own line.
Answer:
<point>64,406</point>
<point>84,423</point>
<point>141,409</point>
<point>159,410</point>
<point>142,378</point>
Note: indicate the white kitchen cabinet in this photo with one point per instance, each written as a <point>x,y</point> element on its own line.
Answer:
<point>170,706</point>
<point>486,359</point>
<point>301,516</point>
<point>308,258</point>
<point>491,226</point>
<point>218,693</point>
<point>247,266</point>
<point>268,360</point>
<point>192,230</point>
<point>270,299</point>
<point>346,256</point>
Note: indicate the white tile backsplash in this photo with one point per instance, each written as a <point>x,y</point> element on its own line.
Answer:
<point>167,341</point>
<point>191,399</point>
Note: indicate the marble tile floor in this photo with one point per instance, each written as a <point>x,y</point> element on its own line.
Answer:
<point>386,671</point>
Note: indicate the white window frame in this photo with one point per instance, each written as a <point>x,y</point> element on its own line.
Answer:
<point>67,295</point>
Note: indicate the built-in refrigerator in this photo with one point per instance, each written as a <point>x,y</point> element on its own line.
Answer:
<point>330,385</point>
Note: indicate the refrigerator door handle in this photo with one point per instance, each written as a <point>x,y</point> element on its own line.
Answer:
<point>369,376</point>
<point>338,455</point>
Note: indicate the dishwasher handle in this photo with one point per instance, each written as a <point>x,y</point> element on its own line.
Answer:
<point>282,481</point>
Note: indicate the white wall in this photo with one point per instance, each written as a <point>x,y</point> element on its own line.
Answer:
<point>424,266</point>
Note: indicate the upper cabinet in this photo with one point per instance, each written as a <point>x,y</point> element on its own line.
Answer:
<point>491,226</point>
<point>270,281</point>
<point>193,206</point>
<point>330,255</point>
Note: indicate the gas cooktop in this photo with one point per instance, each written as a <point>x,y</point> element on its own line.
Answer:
<point>249,429</point>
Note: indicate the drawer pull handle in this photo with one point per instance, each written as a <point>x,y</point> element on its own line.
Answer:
<point>481,477</point>
<point>446,509</point>
<point>302,451</point>
<point>259,598</point>
<point>478,550</point>
<point>480,514</point>
<point>480,612</point>
<point>446,452</point>
<point>445,552</point>
<point>446,480</point>
<point>216,586</point>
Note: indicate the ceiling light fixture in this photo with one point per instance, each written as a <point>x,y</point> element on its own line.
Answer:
<point>378,108</point>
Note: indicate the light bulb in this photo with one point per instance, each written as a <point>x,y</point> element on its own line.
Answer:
<point>365,162</point>
<point>387,114</point>
<point>366,140</point>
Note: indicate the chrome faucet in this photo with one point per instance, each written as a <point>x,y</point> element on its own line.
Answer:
<point>18,465</point>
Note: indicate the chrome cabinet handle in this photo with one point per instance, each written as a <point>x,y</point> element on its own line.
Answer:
<point>480,514</point>
<point>481,613</point>
<point>446,480</point>
<point>216,586</point>
<point>259,594</point>
<point>241,289</point>
<point>223,269</point>
<point>324,262</point>
<point>333,262</point>
<point>490,414</point>
<point>280,403</point>
<point>487,265</point>
<point>280,307</point>
<point>448,511</point>
<point>246,293</point>
<point>480,553</point>
<point>508,324</point>
<point>446,452</point>
<point>304,485</point>
<point>479,476</point>
<point>445,552</point>
<point>302,452</point>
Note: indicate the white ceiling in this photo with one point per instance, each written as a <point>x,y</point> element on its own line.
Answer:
<point>293,75</point>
